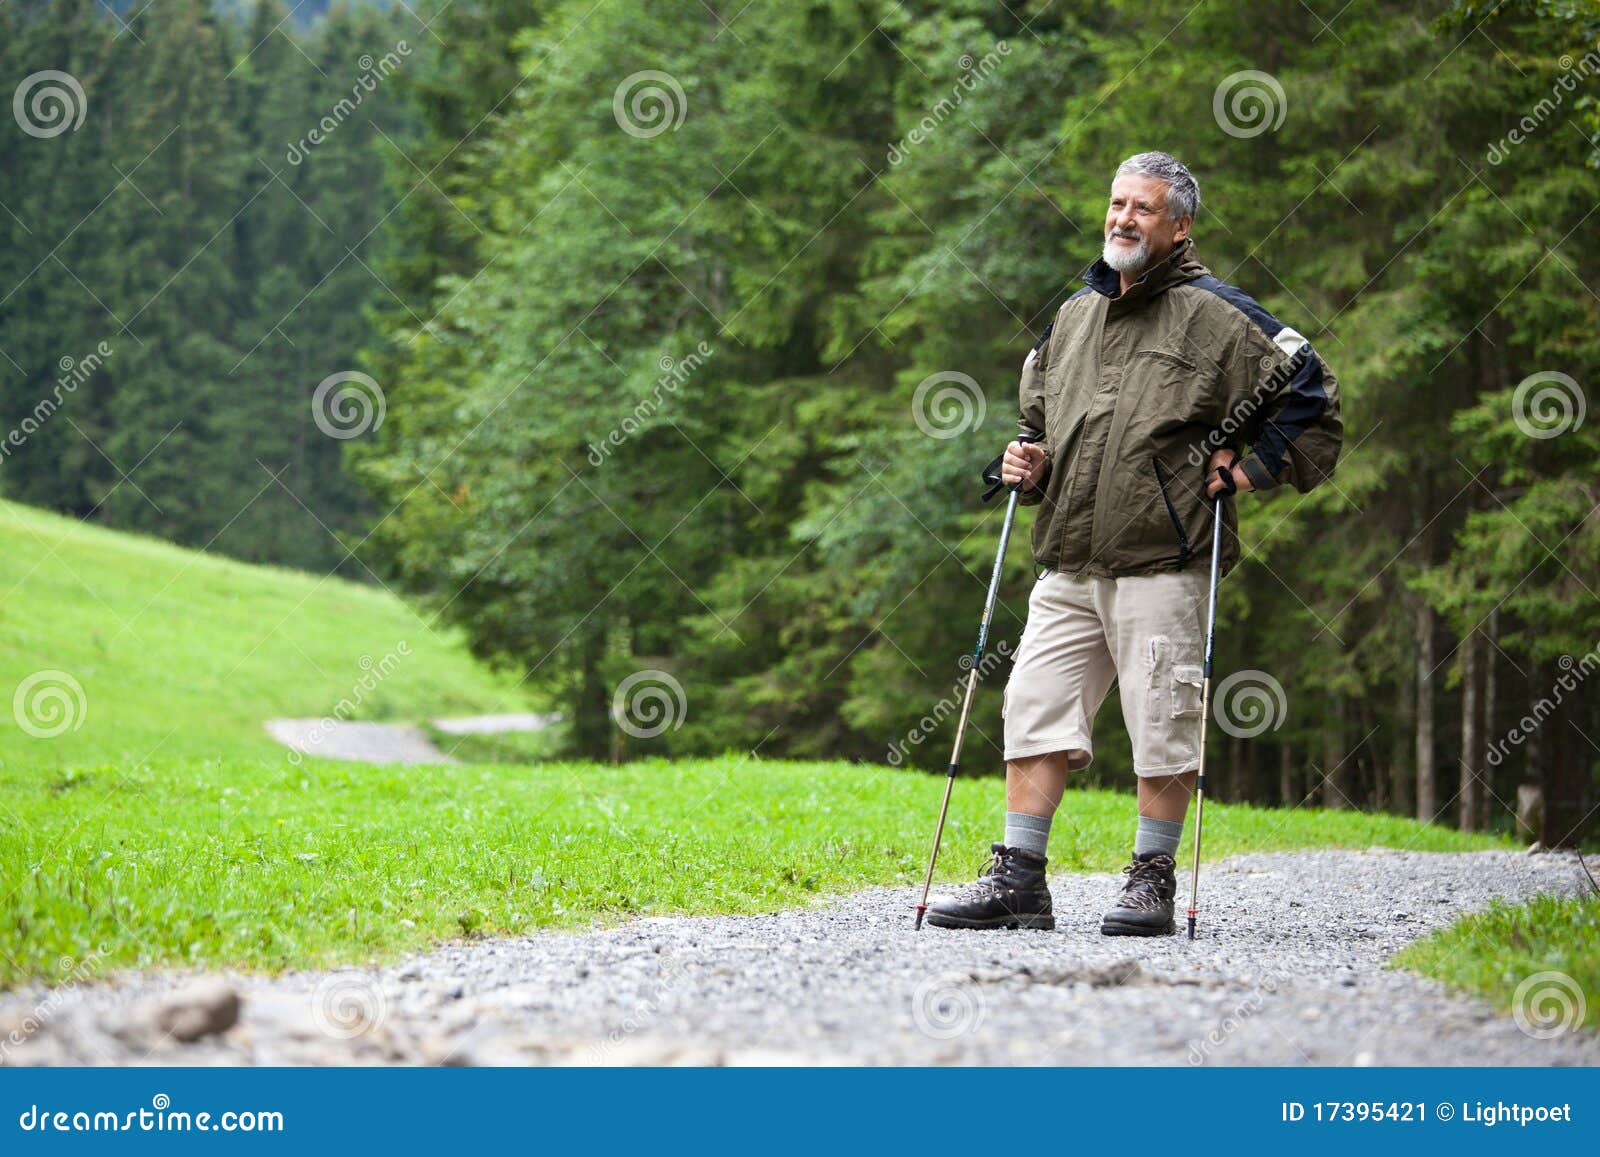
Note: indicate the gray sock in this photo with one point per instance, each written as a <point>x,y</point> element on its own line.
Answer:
<point>1157,836</point>
<point>1030,833</point>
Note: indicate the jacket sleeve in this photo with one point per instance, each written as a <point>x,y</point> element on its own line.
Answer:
<point>1284,402</point>
<point>1031,404</point>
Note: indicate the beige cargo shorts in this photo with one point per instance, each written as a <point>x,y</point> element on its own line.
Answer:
<point>1146,631</point>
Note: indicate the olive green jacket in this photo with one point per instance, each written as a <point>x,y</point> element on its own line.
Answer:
<point>1133,392</point>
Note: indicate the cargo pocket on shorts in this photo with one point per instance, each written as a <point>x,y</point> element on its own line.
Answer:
<point>1158,686</point>
<point>1186,688</point>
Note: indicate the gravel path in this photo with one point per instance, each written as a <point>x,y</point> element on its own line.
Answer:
<point>391,742</point>
<point>1289,969</point>
<point>364,742</point>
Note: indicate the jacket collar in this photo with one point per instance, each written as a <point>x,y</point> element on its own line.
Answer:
<point>1177,267</point>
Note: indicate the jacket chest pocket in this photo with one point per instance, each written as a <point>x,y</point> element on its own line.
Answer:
<point>1166,368</point>
<point>1173,385</point>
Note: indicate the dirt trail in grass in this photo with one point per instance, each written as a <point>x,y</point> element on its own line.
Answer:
<point>1289,969</point>
<point>390,742</point>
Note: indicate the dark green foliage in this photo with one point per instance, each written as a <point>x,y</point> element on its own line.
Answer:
<point>199,283</point>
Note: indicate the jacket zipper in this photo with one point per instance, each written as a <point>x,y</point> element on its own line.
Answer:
<point>1066,497</point>
<point>1172,513</point>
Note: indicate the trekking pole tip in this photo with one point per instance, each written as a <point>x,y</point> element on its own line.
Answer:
<point>1191,926</point>
<point>921,908</point>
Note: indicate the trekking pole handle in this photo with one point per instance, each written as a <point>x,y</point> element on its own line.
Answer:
<point>992,476</point>
<point>1229,485</point>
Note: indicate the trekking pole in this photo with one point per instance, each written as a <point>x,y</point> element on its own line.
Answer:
<point>1229,487</point>
<point>972,676</point>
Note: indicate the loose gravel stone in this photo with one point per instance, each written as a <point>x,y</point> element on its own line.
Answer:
<point>201,1011</point>
<point>1289,968</point>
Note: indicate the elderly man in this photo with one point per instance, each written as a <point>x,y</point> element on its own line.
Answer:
<point>1149,379</point>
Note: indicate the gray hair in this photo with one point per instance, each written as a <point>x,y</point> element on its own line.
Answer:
<point>1183,195</point>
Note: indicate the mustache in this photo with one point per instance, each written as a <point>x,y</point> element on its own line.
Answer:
<point>1131,234</point>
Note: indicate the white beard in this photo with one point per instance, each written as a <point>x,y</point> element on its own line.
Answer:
<point>1126,260</point>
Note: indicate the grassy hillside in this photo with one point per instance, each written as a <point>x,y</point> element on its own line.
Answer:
<point>183,654</point>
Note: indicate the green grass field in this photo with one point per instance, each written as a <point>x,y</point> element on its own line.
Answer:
<point>262,865</point>
<point>163,827</point>
<point>1494,952</point>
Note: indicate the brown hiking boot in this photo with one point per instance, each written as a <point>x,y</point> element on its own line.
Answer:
<point>1145,906</point>
<point>1011,893</point>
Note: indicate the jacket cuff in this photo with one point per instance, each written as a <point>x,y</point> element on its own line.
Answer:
<point>1257,473</point>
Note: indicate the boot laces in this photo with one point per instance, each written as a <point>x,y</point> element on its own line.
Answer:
<point>1145,880</point>
<point>993,865</point>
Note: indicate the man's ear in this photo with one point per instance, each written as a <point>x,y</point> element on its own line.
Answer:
<point>1182,231</point>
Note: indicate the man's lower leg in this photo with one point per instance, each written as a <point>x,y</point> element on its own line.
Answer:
<point>1012,892</point>
<point>1033,792</point>
<point>1145,907</point>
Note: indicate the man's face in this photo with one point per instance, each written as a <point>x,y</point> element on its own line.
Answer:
<point>1139,233</point>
